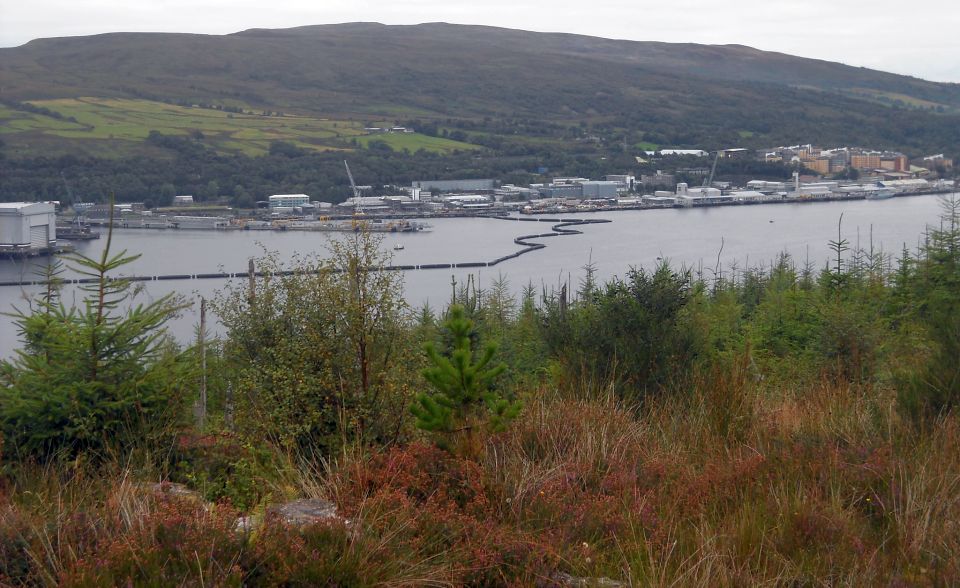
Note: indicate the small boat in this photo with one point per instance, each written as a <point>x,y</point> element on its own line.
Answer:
<point>882,194</point>
<point>398,247</point>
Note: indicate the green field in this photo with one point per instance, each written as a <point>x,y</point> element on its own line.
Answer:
<point>101,122</point>
<point>414,141</point>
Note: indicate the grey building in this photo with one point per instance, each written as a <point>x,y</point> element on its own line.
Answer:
<point>27,225</point>
<point>600,189</point>
<point>483,185</point>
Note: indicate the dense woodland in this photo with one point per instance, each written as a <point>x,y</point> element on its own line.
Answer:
<point>189,167</point>
<point>769,425</point>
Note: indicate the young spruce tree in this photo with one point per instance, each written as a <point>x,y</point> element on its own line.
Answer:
<point>462,398</point>
<point>93,378</point>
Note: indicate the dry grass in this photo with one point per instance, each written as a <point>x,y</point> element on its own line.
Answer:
<point>733,485</point>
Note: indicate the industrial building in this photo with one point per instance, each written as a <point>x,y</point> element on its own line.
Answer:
<point>484,185</point>
<point>600,189</point>
<point>288,200</point>
<point>27,227</point>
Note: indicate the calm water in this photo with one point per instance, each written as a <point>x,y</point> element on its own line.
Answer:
<point>749,235</point>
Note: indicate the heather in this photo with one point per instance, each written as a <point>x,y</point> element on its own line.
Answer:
<point>783,425</point>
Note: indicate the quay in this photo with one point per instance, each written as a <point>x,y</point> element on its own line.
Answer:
<point>560,228</point>
<point>21,252</point>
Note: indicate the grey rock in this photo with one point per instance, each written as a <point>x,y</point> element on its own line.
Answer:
<point>307,511</point>
<point>176,489</point>
<point>248,524</point>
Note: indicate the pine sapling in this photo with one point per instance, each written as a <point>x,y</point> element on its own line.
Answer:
<point>461,386</point>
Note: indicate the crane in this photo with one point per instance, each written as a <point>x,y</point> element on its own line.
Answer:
<point>358,208</point>
<point>73,201</point>
<point>708,181</point>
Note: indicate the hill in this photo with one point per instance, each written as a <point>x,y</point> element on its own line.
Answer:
<point>245,115</point>
<point>667,93</point>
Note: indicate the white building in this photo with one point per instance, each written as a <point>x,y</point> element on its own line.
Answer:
<point>288,200</point>
<point>916,185</point>
<point>666,152</point>
<point>27,225</point>
<point>183,199</point>
<point>748,195</point>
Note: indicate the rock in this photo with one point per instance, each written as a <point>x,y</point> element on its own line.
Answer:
<point>307,511</point>
<point>564,579</point>
<point>177,490</point>
<point>248,524</point>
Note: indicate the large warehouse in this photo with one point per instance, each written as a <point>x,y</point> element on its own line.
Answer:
<point>27,226</point>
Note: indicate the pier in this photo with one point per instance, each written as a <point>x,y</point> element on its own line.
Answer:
<point>560,228</point>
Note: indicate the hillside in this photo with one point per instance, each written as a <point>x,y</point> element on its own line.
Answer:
<point>668,93</point>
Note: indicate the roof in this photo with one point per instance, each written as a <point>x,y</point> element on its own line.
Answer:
<point>15,207</point>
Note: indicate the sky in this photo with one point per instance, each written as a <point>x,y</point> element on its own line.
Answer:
<point>922,39</point>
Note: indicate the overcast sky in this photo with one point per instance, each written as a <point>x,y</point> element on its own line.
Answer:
<point>915,38</point>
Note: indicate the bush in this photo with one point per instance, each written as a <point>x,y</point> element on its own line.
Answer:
<point>223,468</point>
<point>321,355</point>
<point>634,334</point>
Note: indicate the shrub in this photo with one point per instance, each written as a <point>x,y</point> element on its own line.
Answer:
<point>632,333</point>
<point>95,378</point>
<point>321,355</point>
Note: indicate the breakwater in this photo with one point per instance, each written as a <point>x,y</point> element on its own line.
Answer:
<point>559,228</point>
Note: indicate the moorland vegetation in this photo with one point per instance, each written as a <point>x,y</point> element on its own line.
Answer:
<point>767,425</point>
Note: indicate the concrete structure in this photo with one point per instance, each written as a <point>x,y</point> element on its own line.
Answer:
<point>511,193</point>
<point>627,181</point>
<point>915,185</point>
<point>200,222</point>
<point>821,165</point>
<point>667,152</point>
<point>561,191</point>
<point>102,211</point>
<point>468,201</point>
<point>933,161</point>
<point>27,226</point>
<point>865,161</point>
<point>484,185</point>
<point>658,179</point>
<point>748,195</point>
<point>600,189</point>
<point>660,200</point>
<point>288,200</point>
<point>765,186</point>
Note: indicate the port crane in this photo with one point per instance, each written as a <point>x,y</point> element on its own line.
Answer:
<point>74,201</point>
<point>357,206</point>
<point>708,181</point>
<point>76,230</point>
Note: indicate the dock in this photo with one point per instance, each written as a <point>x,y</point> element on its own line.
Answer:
<point>559,228</point>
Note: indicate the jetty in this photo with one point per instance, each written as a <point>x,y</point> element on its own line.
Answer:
<point>560,228</point>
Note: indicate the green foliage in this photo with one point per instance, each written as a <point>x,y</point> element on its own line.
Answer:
<point>321,355</point>
<point>934,389</point>
<point>633,334</point>
<point>462,384</point>
<point>93,378</point>
<point>224,468</point>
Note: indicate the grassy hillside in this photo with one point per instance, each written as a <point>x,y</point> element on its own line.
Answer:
<point>677,93</point>
<point>106,126</point>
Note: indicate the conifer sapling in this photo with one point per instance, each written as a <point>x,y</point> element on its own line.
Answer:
<point>462,384</point>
